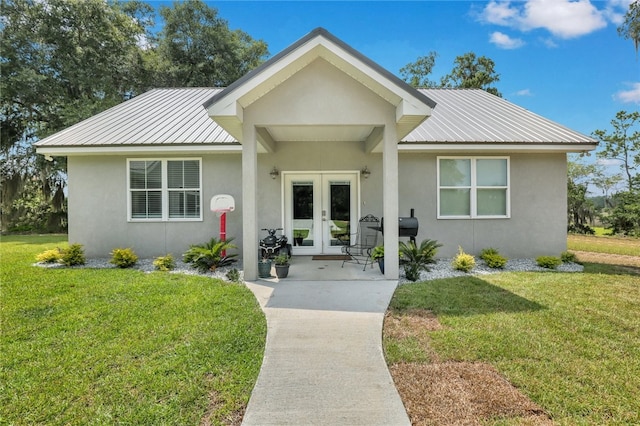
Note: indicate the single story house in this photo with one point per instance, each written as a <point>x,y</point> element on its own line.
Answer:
<point>313,139</point>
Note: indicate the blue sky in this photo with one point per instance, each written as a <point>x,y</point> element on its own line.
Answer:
<point>562,59</point>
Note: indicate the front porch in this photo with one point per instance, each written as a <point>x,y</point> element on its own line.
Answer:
<point>304,268</point>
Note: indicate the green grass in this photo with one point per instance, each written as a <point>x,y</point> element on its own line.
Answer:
<point>83,347</point>
<point>604,244</point>
<point>571,342</point>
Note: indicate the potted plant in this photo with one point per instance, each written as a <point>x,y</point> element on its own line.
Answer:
<point>298,236</point>
<point>282,265</point>
<point>377,255</point>
<point>264,267</point>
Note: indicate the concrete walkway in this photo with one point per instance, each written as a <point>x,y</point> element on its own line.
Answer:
<point>323,362</point>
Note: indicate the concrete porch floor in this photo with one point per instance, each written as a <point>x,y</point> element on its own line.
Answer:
<point>303,268</point>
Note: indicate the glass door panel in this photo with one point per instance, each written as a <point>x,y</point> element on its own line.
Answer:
<point>339,204</point>
<point>302,203</point>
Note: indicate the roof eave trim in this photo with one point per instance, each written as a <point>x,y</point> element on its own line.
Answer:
<point>68,151</point>
<point>496,147</point>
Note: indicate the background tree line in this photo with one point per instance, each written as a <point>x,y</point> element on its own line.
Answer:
<point>618,208</point>
<point>63,61</point>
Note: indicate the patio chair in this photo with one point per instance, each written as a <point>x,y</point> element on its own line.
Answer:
<point>365,240</point>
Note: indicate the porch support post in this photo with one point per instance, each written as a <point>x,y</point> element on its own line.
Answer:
<point>390,201</point>
<point>249,203</point>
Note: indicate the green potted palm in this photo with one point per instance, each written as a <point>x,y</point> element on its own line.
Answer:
<point>282,265</point>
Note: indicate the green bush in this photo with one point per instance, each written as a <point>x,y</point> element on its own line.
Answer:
<point>73,255</point>
<point>463,262</point>
<point>164,263</point>
<point>233,275</point>
<point>208,256</point>
<point>123,257</point>
<point>49,256</point>
<point>492,258</point>
<point>549,262</point>
<point>416,259</point>
<point>568,257</point>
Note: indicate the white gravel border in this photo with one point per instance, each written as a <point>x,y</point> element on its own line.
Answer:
<point>441,269</point>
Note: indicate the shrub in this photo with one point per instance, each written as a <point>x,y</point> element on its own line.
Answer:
<point>73,255</point>
<point>549,262</point>
<point>377,253</point>
<point>463,261</point>
<point>123,257</point>
<point>492,258</point>
<point>164,263</point>
<point>412,271</point>
<point>281,260</point>
<point>208,256</point>
<point>233,275</point>
<point>49,256</point>
<point>568,257</point>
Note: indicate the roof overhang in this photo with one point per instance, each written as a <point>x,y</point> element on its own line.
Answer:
<point>467,148</point>
<point>227,107</point>
<point>200,149</point>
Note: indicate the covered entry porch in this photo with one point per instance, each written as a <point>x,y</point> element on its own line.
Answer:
<point>318,112</point>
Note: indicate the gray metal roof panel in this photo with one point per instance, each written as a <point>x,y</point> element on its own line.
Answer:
<point>473,115</point>
<point>159,116</point>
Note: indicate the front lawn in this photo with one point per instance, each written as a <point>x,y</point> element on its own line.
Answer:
<point>570,342</point>
<point>110,346</point>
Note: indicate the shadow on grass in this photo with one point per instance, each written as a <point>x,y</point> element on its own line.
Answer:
<point>462,296</point>
<point>610,269</point>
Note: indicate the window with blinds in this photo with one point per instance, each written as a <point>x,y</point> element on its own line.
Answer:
<point>165,189</point>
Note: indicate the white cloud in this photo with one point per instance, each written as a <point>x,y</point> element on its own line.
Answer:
<point>629,96</point>
<point>607,162</point>
<point>524,92</point>
<point>503,41</point>
<point>564,19</point>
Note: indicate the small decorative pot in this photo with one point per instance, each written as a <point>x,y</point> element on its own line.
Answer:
<point>381,264</point>
<point>282,271</point>
<point>264,268</point>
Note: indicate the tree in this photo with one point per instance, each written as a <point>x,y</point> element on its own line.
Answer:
<point>623,144</point>
<point>630,28</point>
<point>197,48</point>
<point>470,71</point>
<point>62,61</point>
<point>580,210</point>
<point>417,73</point>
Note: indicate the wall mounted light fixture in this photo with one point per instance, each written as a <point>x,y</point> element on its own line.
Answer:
<point>365,172</point>
<point>274,173</point>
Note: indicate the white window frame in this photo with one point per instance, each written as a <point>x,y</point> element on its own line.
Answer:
<point>164,190</point>
<point>474,188</point>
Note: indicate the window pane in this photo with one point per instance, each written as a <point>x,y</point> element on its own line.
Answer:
<point>154,174</point>
<point>492,172</point>
<point>175,174</point>
<point>455,172</point>
<point>176,204</point>
<point>192,174</point>
<point>146,205</point>
<point>155,205</point>
<point>184,204</point>
<point>492,202</point>
<point>455,202</point>
<point>137,175</point>
<point>139,205</point>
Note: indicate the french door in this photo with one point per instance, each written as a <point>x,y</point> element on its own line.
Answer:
<point>320,211</point>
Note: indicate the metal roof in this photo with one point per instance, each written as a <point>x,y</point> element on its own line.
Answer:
<point>476,116</point>
<point>177,116</point>
<point>156,117</point>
